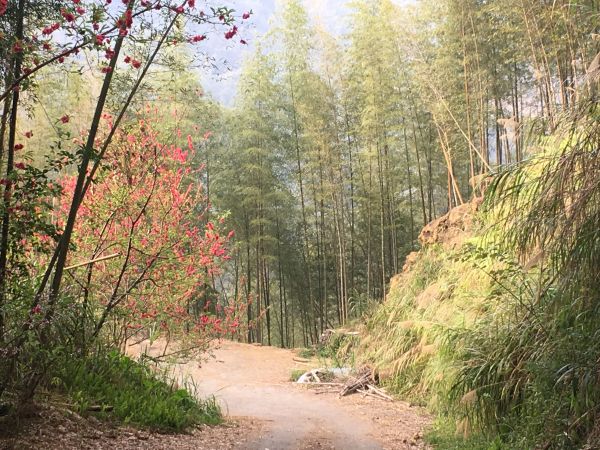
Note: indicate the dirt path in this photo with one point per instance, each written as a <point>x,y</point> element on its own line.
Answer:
<point>253,382</point>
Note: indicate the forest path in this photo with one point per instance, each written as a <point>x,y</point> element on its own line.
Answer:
<point>254,381</point>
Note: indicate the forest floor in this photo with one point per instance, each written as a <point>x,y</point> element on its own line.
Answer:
<point>264,410</point>
<point>253,382</point>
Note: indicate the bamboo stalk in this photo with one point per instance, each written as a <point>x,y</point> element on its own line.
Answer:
<point>93,261</point>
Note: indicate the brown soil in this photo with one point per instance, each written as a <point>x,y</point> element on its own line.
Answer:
<point>451,230</point>
<point>54,428</point>
<point>265,411</point>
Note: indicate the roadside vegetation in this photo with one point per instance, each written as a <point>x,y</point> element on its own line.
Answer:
<point>134,207</point>
<point>114,387</point>
<point>496,331</point>
<point>107,236</point>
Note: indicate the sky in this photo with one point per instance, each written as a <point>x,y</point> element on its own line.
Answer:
<point>221,83</point>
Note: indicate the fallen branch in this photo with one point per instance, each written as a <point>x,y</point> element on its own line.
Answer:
<point>380,392</point>
<point>100,408</point>
<point>301,360</point>
<point>366,392</point>
<point>361,382</point>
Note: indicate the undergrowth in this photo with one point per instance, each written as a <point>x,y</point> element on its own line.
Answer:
<point>338,351</point>
<point>501,336</point>
<point>296,374</point>
<point>443,436</point>
<point>131,392</point>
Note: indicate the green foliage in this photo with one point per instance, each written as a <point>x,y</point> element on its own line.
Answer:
<point>295,374</point>
<point>443,436</point>
<point>407,337</point>
<point>534,369</point>
<point>136,393</point>
<point>501,335</point>
<point>308,352</point>
<point>339,350</point>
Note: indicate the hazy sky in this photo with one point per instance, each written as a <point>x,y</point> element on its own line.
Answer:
<point>222,83</point>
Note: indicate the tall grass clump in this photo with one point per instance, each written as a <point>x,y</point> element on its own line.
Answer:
<point>535,369</point>
<point>406,338</point>
<point>501,336</point>
<point>119,388</point>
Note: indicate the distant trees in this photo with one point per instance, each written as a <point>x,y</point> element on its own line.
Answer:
<point>335,154</point>
<point>338,151</point>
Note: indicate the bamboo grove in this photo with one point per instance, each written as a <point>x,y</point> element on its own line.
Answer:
<point>339,149</point>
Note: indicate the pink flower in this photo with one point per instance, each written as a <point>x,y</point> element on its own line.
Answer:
<point>20,166</point>
<point>68,16</point>
<point>29,134</point>
<point>65,119</point>
<point>246,16</point>
<point>231,33</point>
<point>19,147</point>
<point>135,63</point>
<point>37,309</point>
<point>47,31</point>
<point>3,6</point>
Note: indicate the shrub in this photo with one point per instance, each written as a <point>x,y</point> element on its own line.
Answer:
<point>132,393</point>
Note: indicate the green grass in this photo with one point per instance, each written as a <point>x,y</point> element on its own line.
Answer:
<point>296,373</point>
<point>407,337</point>
<point>443,436</point>
<point>307,353</point>
<point>133,392</point>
